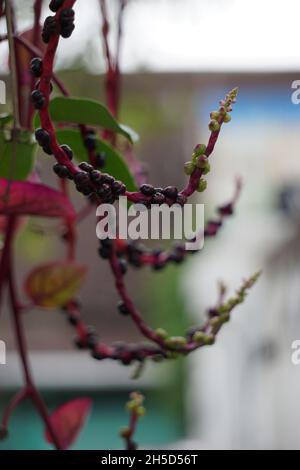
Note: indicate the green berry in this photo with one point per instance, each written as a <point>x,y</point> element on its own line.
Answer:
<point>199,337</point>
<point>202,185</point>
<point>214,126</point>
<point>175,342</point>
<point>215,115</point>
<point>161,333</point>
<point>227,118</point>
<point>189,168</point>
<point>200,149</point>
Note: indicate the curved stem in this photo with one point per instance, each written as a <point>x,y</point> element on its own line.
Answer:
<point>22,348</point>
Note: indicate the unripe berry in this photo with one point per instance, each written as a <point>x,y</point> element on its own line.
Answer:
<point>202,186</point>
<point>161,333</point>
<point>189,168</point>
<point>227,118</point>
<point>200,149</point>
<point>214,126</point>
<point>215,115</point>
<point>199,337</point>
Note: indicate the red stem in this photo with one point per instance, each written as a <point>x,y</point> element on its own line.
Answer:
<point>35,40</point>
<point>22,348</point>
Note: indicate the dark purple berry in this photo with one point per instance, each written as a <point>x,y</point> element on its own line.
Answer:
<point>36,67</point>
<point>181,199</point>
<point>42,136</point>
<point>104,191</point>
<point>68,151</point>
<point>67,16</point>
<point>81,178</point>
<point>123,308</point>
<point>47,148</point>
<point>84,166</point>
<point>147,190</point>
<point>118,188</point>
<point>67,31</point>
<point>49,29</point>
<point>105,178</point>
<point>61,170</point>
<point>96,176</point>
<point>105,252</point>
<point>55,5</point>
<point>158,198</point>
<point>170,192</point>
<point>38,99</point>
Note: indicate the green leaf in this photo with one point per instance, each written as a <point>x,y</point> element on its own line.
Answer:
<point>115,164</point>
<point>16,158</point>
<point>89,112</point>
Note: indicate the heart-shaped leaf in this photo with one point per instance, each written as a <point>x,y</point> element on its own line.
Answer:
<point>16,158</point>
<point>89,112</point>
<point>26,198</point>
<point>68,420</point>
<point>115,165</point>
<point>54,284</point>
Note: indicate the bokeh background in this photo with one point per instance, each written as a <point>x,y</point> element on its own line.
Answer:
<point>179,58</point>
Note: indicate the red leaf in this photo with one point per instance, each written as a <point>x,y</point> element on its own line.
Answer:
<point>26,198</point>
<point>68,419</point>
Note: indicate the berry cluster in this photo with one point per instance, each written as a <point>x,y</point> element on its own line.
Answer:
<point>87,338</point>
<point>66,21</point>
<point>90,142</point>
<point>169,195</point>
<point>90,181</point>
<point>49,29</point>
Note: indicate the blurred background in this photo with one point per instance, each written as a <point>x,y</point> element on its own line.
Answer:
<point>179,57</point>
